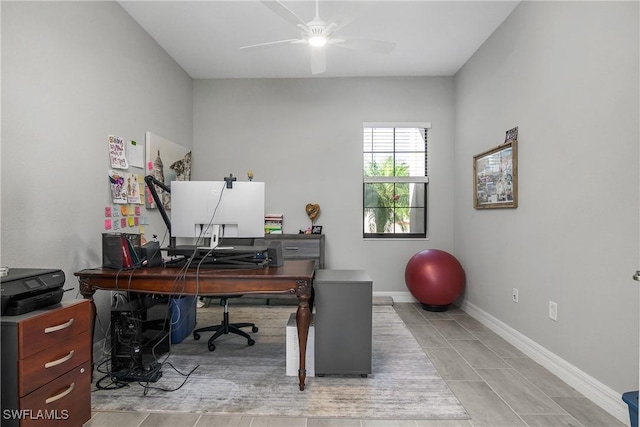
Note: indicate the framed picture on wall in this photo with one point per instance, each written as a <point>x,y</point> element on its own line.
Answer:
<point>495,177</point>
<point>166,162</point>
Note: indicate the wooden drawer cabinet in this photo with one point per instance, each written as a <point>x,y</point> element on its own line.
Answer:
<point>298,246</point>
<point>46,366</point>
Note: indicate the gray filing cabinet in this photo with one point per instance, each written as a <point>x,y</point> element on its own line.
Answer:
<point>343,328</point>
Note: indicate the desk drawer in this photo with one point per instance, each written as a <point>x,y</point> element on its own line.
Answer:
<point>49,364</point>
<point>299,248</point>
<point>51,328</point>
<point>65,401</point>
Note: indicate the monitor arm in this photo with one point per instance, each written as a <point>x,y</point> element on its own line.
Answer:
<point>151,185</point>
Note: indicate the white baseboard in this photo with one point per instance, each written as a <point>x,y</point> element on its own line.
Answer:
<point>594,390</point>
<point>397,296</point>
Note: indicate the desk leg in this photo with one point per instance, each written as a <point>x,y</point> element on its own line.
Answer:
<point>303,319</point>
<point>87,292</point>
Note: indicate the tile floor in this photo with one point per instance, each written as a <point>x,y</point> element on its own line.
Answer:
<point>496,383</point>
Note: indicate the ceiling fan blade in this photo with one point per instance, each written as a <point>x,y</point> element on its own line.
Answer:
<point>318,61</point>
<point>377,46</point>
<point>284,12</point>
<point>348,12</point>
<point>277,42</point>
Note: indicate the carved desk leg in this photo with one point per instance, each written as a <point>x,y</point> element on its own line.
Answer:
<point>303,319</point>
<point>87,291</point>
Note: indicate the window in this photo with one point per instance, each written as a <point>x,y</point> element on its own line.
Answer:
<point>395,180</point>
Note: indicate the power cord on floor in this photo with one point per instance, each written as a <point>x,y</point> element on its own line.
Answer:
<point>147,387</point>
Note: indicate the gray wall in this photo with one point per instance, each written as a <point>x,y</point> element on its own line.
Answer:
<point>73,73</point>
<point>303,137</point>
<point>566,73</point>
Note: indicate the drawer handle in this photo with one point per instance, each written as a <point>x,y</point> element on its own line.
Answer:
<point>291,248</point>
<point>61,395</point>
<point>59,361</point>
<point>58,327</point>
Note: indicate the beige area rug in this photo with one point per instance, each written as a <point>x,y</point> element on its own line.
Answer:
<point>251,380</point>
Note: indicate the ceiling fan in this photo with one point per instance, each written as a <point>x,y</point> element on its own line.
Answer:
<point>318,34</point>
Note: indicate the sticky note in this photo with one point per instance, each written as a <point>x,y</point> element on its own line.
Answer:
<point>123,210</point>
<point>123,223</point>
<point>107,212</point>
<point>107,224</point>
<point>136,221</point>
<point>132,222</point>
<point>137,213</point>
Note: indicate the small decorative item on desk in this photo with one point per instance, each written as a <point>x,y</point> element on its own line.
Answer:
<point>313,210</point>
<point>250,175</point>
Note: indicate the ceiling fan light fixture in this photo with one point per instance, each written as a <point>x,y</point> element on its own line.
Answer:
<point>317,41</point>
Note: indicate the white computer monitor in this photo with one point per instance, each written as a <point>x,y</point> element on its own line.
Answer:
<point>209,210</point>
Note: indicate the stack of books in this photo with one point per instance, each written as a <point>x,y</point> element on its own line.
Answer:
<point>273,224</point>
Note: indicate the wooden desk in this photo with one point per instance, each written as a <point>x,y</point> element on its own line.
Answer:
<point>294,277</point>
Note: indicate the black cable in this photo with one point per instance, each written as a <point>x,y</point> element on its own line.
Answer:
<point>148,387</point>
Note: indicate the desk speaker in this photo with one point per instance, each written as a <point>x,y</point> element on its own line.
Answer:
<point>151,252</point>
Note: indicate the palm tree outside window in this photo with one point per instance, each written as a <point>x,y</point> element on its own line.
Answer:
<point>395,180</point>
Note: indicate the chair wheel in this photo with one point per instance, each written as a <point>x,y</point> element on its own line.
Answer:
<point>211,346</point>
<point>254,329</point>
<point>196,336</point>
<point>251,341</point>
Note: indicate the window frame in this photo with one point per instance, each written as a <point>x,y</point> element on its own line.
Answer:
<point>418,180</point>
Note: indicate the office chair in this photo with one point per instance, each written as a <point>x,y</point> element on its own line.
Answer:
<point>225,327</point>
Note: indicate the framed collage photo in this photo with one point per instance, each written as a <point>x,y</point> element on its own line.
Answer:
<point>495,177</point>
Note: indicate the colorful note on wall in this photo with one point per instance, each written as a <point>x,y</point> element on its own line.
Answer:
<point>118,187</point>
<point>117,152</point>
<point>133,187</point>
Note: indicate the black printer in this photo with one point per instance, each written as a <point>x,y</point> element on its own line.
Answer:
<point>27,289</point>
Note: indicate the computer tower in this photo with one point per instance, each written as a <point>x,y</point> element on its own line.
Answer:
<point>136,343</point>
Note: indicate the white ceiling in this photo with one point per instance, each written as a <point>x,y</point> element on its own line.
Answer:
<point>433,38</point>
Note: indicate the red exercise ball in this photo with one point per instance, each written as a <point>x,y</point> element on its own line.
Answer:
<point>435,278</point>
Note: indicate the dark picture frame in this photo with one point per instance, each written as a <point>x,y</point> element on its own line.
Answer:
<point>316,229</point>
<point>495,177</point>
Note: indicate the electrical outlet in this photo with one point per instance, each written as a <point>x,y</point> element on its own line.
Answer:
<point>553,311</point>
<point>514,295</point>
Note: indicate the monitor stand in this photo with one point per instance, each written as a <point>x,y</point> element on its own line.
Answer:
<point>215,238</point>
